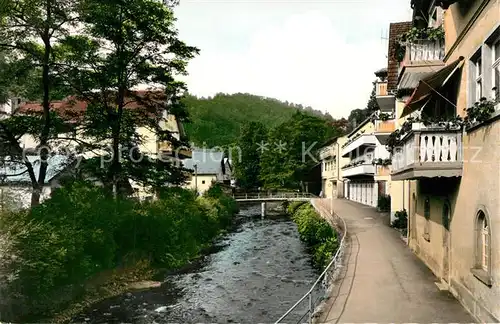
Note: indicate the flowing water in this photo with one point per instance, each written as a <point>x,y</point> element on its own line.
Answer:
<point>259,271</point>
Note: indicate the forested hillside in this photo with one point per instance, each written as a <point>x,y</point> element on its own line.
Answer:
<point>216,121</point>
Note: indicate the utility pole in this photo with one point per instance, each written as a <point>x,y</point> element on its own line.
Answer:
<point>196,178</point>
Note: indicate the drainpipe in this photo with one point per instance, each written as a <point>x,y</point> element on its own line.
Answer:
<point>404,185</point>
<point>338,169</point>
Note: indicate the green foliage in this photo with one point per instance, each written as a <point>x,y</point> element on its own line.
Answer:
<point>293,206</point>
<point>403,92</point>
<point>292,150</point>
<point>357,116</point>
<point>29,40</point>
<point>384,117</point>
<point>372,104</point>
<point>401,221</point>
<point>142,50</point>
<point>217,121</point>
<point>82,231</point>
<point>384,203</point>
<point>413,35</point>
<point>316,233</point>
<point>383,162</point>
<point>247,167</point>
<point>479,112</point>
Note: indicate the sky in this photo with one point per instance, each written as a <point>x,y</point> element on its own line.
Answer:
<point>318,53</point>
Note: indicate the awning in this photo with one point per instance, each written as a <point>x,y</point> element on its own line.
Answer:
<point>413,74</point>
<point>430,84</point>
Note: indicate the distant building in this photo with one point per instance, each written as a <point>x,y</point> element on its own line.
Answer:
<point>207,167</point>
<point>72,109</point>
<point>15,183</point>
<point>331,164</point>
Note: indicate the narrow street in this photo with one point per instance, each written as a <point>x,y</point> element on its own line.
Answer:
<point>383,281</point>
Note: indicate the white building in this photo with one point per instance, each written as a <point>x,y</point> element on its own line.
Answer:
<point>16,185</point>
<point>208,167</point>
<point>361,174</point>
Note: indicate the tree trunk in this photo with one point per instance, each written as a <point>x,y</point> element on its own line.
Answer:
<point>44,136</point>
<point>35,197</point>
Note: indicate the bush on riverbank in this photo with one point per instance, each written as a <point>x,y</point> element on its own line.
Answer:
<point>316,232</point>
<point>81,231</point>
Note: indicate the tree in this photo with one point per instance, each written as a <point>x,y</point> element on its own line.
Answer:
<point>292,150</point>
<point>339,126</point>
<point>126,45</point>
<point>357,116</point>
<point>247,170</point>
<point>29,30</point>
<point>372,104</point>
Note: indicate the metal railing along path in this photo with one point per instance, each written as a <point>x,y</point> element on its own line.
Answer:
<point>323,277</point>
<point>274,196</point>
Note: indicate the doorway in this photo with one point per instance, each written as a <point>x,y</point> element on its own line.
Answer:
<point>446,240</point>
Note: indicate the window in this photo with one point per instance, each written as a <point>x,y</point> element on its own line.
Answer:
<point>495,49</point>
<point>484,241</point>
<point>203,182</point>
<point>478,80</point>
<point>484,71</point>
<point>482,266</point>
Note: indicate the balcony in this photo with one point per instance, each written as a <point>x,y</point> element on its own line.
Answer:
<point>382,171</point>
<point>385,100</point>
<point>383,128</point>
<point>428,153</point>
<point>359,142</point>
<point>326,152</point>
<point>360,166</point>
<point>422,53</point>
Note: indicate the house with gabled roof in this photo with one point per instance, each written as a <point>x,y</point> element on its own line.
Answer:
<point>207,167</point>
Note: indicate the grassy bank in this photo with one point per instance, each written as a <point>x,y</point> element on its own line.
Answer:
<point>315,232</point>
<point>81,235</point>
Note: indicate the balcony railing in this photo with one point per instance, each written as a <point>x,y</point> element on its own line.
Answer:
<point>381,88</point>
<point>385,126</point>
<point>385,100</point>
<point>360,165</point>
<point>428,153</point>
<point>424,51</point>
<point>367,168</point>
<point>326,152</point>
<point>360,142</point>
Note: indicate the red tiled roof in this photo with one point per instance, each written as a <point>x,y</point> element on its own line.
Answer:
<point>72,107</point>
<point>395,29</point>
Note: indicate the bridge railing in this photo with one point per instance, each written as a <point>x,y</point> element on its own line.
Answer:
<point>279,195</point>
<point>305,307</point>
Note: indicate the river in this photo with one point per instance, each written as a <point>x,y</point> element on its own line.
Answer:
<point>258,271</point>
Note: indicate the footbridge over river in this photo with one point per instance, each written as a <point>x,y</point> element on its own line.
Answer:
<point>268,197</point>
<point>264,198</point>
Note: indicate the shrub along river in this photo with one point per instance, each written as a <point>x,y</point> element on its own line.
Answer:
<point>256,273</point>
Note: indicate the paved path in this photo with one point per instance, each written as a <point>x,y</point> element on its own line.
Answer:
<point>383,281</point>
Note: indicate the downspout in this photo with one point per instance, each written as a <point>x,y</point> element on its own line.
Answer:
<point>404,185</point>
<point>338,170</point>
